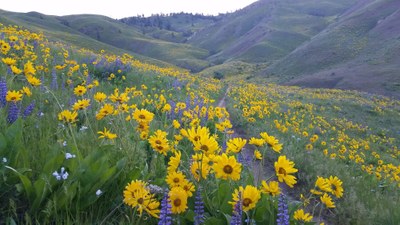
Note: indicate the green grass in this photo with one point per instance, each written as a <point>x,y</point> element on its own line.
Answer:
<point>361,117</point>
<point>360,130</point>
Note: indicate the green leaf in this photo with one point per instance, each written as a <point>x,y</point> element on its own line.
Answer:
<point>107,175</point>
<point>14,131</point>
<point>41,193</point>
<point>224,195</point>
<point>261,214</point>
<point>190,215</point>
<point>121,164</point>
<point>3,142</point>
<point>53,163</point>
<point>26,183</point>
<point>214,221</point>
<point>134,174</point>
<point>10,221</point>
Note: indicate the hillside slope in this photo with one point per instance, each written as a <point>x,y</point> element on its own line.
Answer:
<point>56,30</point>
<point>360,51</point>
<point>118,34</point>
<point>100,32</point>
<point>267,30</point>
<point>347,44</point>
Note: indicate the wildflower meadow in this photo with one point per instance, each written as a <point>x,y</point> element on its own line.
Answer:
<point>89,137</point>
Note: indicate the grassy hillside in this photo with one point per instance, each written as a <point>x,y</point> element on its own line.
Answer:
<point>330,44</point>
<point>358,51</point>
<point>267,30</point>
<point>174,27</point>
<point>123,36</point>
<point>100,32</point>
<point>90,137</point>
<point>56,31</point>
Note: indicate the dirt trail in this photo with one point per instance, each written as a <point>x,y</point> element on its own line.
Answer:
<point>262,171</point>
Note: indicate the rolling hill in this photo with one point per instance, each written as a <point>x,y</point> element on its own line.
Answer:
<point>360,51</point>
<point>266,30</point>
<point>346,44</point>
<point>56,30</point>
<point>100,32</point>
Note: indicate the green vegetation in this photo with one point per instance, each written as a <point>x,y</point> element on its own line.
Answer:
<point>330,44</point>
<point>91,135</point>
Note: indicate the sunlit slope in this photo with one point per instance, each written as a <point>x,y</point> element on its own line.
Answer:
<point>118,34</point>
<point>55,30</point>
<point>360,51</point>
<point>267,30</point>
<point>90,137</point>
<point>100,32</point>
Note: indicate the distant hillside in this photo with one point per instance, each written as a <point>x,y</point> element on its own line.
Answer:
<point>100,32</point>
<point>174,27</point>
<point>118,34</point>
<point>361,51</point>
<point>348,44</point>
<point>56,30</point>
<point>267,30</point>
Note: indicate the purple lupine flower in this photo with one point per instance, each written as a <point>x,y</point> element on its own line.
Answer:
<point>283,212</point>
<point>198,208</point>
<point>88,79</point>
<point>237,211</point>
<point>54,83</point>
<point>3,93</point>
<point>223,146</point>
<point>176,84</point>
<point>72,100</point>
<point>13,112</point>
<point>28,110</point>
<point>35,44</point>
<point>201,104</point>
<point>188,102</point>
<point>173,105</point>
<point>165,212</point>
<point>205,118</point>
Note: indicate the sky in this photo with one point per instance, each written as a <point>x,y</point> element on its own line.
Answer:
<point>124,8</point>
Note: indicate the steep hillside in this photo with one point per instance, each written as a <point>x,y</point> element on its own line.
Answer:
<point>267,30</point>
<point>56,30</point>
<point>118,34</point>
<point>360,51</point>
<point>174,27</point>
<point>347,44</point>
<point>100,32</point>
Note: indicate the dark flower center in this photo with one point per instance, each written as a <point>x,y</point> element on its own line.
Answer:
<point>204,148</point>
<point>140,200</point>
<point>282,171</point>
<point>177,202</point>
<point>228,169</point>
<point>247,202</point>
<point>176,180</point>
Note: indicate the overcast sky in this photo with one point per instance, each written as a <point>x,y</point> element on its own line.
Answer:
<point>124,8</point>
